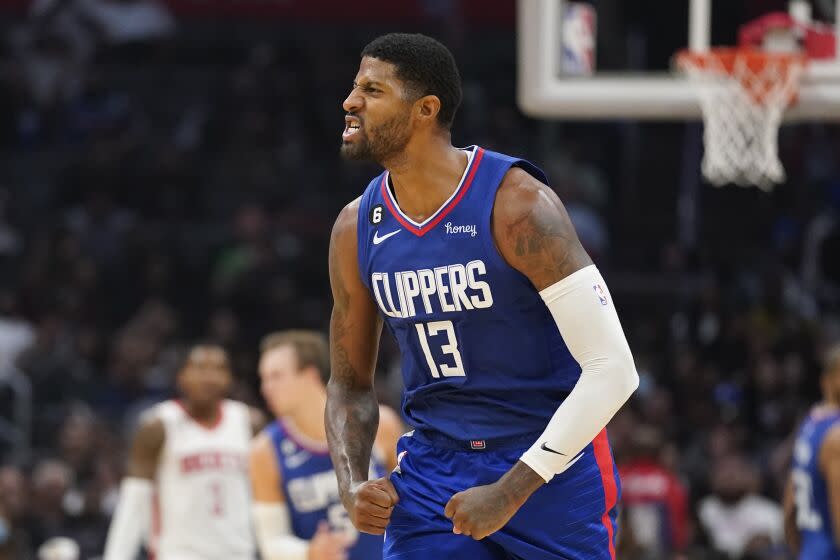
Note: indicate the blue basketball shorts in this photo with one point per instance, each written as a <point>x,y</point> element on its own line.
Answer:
<point>573,517</point>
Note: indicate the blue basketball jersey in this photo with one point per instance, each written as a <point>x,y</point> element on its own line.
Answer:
<point>813,516</point>
<point>481,355</point>
<point>311,491</point>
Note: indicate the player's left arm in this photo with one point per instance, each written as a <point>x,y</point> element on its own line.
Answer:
<point>389,431</point>
<point>534,234</point>
<point>830,466</point>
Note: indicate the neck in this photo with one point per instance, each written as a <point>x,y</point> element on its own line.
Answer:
<point>830,404</point>
<point>205,413</point>
<point>425,175</point>
<point>309,419</point>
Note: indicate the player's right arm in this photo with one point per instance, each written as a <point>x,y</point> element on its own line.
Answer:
<point>132,517</point>
<point>830,466</point>
<point>352,413</point>
<point>271,515</point>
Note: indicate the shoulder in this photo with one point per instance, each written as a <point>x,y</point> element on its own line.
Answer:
<point>348,218</point>
<point>264,469</point>
<point>344,229</point>
<point>518,187</point>
<point>522,200</point>
<point>150,436</point>
<point>533,231</point>
<point>830,449</point>
<point>262,454</point>
<point>150,424</point>
<point>262,445</point>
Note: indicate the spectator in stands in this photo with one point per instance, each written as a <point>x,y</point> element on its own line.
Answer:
<point>654,498</point>
<point>14,540</point>
<point>735,516</point>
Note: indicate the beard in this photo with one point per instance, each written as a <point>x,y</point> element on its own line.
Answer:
<point>379,143</point>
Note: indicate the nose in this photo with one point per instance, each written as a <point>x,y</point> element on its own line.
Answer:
<point>353,103</point>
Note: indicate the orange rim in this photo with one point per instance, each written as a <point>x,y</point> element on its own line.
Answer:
<point>755,81</point>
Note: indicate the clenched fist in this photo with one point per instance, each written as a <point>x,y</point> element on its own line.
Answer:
<point>483,510</point>
<point>480,511</point>
<point>370,505</point>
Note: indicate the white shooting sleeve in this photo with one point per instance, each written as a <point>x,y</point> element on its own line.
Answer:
<point>584,312</point>
<point>132,519</point>
<point>274,533</point>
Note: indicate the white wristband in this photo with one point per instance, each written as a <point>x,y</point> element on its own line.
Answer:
<point>583,311</point>
<point>274,533</point>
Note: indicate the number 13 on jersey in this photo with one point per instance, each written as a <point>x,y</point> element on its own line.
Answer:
<point>449,348</point>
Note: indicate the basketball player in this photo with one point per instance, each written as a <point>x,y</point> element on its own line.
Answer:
<point>297,509</point>
<point>513,356</point>
<point>812,496</point>
<point>186,485</point>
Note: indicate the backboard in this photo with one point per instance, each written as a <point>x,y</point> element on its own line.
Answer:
<point>544,91</point>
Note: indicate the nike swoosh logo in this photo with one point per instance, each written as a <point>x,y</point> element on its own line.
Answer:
<point>377,240</point>
<point>573,461</point>
<point>544,447</point>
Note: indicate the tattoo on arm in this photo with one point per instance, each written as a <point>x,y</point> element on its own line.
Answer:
<point>352,412</point>
<point>533,231</point>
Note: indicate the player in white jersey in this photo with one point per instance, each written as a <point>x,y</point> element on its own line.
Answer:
<point>186,490</point>
<point>297,510</point>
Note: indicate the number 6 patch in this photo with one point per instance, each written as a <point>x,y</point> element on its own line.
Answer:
<point>376,214</point>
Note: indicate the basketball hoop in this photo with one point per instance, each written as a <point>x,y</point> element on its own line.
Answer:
<point>743,93</point>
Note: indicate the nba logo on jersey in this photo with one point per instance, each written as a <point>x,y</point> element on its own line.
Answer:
<point>602,295</point>
<point>478,444</point>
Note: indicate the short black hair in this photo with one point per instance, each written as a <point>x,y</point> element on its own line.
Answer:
<point>184,354</point>
<point>425,65</point>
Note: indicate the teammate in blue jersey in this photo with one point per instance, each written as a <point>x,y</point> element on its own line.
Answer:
<point>513,356</point>
<point>297,511</point>
<point>812,496</point>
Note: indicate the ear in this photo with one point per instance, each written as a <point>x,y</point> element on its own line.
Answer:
<point>427,108</point>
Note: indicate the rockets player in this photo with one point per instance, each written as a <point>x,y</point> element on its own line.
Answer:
<point>186,488</point>
<point>812,496</point>
<point>513,356</point>
<point>297,511</point>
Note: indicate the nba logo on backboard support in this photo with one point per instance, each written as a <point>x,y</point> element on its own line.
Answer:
<point>578,39</point>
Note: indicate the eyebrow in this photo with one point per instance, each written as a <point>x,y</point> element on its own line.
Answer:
<point>369,83</point>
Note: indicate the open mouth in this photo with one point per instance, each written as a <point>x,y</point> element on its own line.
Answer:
<point>352,126</point>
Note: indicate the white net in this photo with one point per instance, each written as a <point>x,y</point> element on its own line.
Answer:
<point>743,95</point>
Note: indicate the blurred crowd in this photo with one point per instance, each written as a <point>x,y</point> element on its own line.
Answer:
<point>163,182</point>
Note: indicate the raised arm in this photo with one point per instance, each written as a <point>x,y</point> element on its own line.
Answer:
<point>534,234</point>
<point>352,413</point>
<point>132,517</point>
